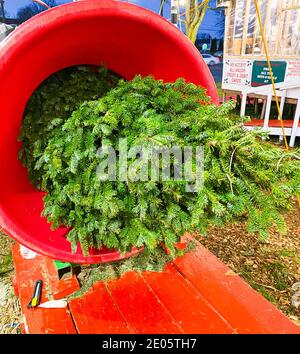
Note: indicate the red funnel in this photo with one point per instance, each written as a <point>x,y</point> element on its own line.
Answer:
<point>129,40</point>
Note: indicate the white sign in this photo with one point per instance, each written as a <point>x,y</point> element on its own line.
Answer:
<point>293,72</point>
<point>237,72</point>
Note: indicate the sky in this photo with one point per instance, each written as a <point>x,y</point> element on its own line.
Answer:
<point>209,24</point>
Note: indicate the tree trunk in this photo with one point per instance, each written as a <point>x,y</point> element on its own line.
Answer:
<point>194,14</point>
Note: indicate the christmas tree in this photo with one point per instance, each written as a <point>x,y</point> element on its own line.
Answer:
<point>243,178</point>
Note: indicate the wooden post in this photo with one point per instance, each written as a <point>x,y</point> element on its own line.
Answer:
<point>279,22</point>
<point>255,106</point>
<point>297,26</point>
<point>263,111</point>
<point>282,102</point>
<point>267,24</point>
<point>227,29</point>
<point>254,35</point>
<point>245,29</point>
<point>286,30</point>
<point>267,16</point>
<point>267,113</point>
<point>243,104</point>
<point>268,110</point>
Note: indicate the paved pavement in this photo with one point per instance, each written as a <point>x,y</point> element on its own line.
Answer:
<point>216,71</point>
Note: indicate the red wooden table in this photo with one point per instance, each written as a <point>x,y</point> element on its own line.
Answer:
<point>196,293</point>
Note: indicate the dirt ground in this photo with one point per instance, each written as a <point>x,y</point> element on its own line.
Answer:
<point>271,267</point>
<point>10,313</point>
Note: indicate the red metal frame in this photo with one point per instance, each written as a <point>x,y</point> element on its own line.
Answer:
<point>130,40</point>
<point>274,123</point>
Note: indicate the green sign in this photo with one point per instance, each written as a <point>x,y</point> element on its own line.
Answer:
<point>62,265</point>
<point>261,74</point>
<point>204,46</point>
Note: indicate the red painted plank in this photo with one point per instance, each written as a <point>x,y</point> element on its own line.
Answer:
<point>47,321</point>
<point>273,123</point>
<point>140,307</point>
<point>60,288</point>
<point>196,294</point>
<point>245,309</point>
<point>186,305</point>
<point>39,320</point>
<point>95,313</point>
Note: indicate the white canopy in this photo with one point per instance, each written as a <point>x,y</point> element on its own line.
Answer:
<point>5,30</point>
